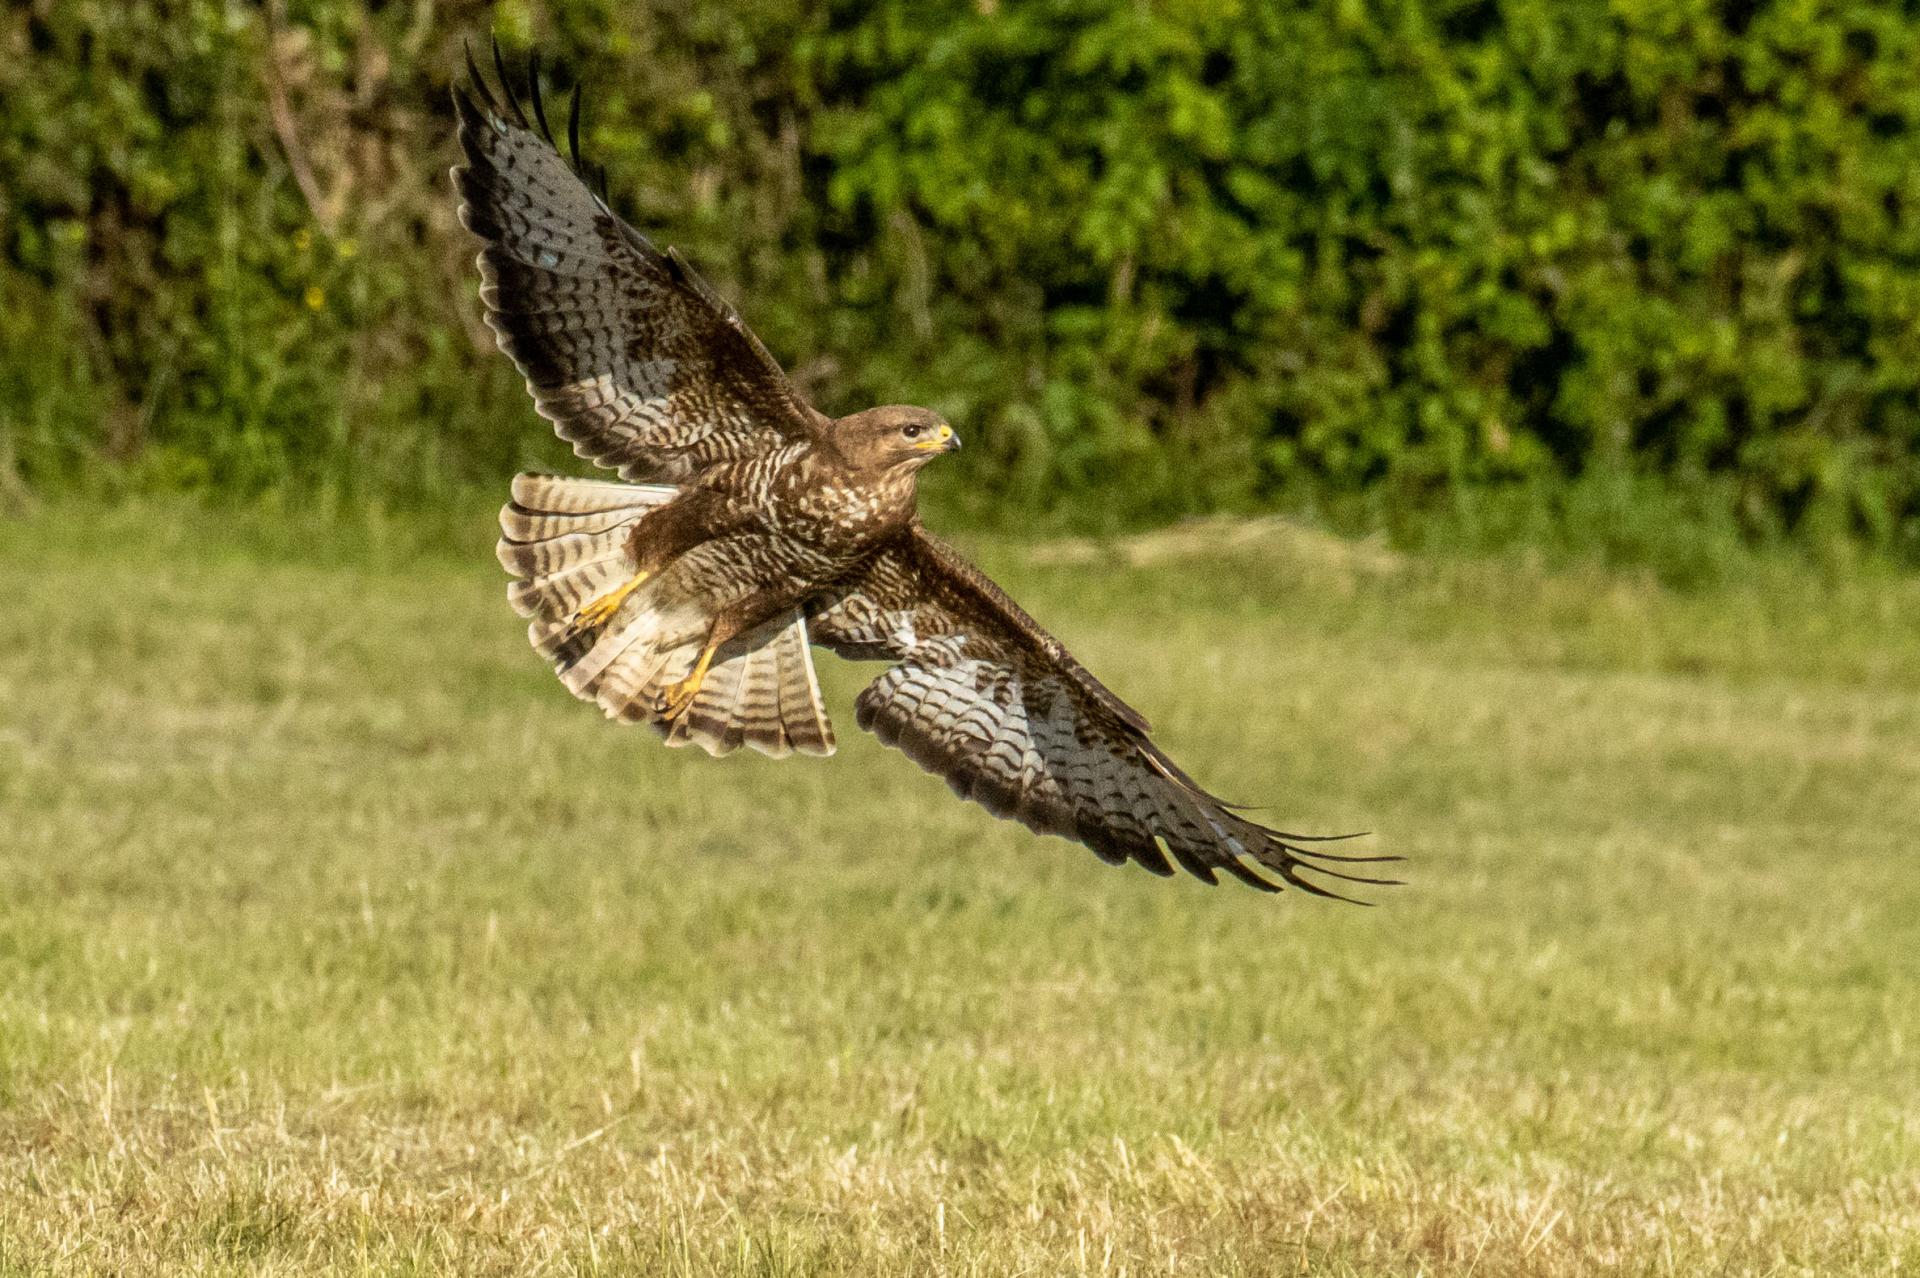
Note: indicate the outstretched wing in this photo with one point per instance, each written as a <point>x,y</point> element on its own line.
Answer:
<point>985,698</point>
<point>636,362</point>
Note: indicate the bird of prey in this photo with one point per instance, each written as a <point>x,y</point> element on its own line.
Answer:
<point>750,526</point>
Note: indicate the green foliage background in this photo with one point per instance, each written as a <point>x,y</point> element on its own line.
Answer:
<point>1151,257</point>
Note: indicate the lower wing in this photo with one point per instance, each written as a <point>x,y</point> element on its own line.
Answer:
<point>985,698</point>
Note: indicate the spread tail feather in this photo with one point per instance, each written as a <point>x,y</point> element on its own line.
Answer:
<point>566,542</point>
<point>761,692</point>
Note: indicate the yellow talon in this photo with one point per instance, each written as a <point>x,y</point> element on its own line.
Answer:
<point>599,611</point>
<point>675,698</point>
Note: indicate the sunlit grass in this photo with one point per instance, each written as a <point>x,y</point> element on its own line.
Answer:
<point>335,936</point>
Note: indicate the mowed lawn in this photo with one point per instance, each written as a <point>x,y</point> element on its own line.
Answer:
<point>336,937</point>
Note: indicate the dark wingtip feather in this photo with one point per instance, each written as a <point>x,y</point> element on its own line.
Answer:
<point>478,81</point>
<point>1313,889</point>
<point>1188,861</point>
<point>1247,876</point>
<point>1289,862</point>
<point>1291,844</point>
<point>1316,855</point>
<point>539,104</point>
<point>1154,861</point>
<point>573,128</point>
<point>473,123</point>
<point>1323,838</point>
<point>506,85</point>
<point>1353,878</point>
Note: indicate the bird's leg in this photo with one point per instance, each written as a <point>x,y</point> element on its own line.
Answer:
<point>597,612</point>
<point>734,619</point>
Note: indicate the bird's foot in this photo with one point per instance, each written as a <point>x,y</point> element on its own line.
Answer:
<point>677,698</point>
<point>597,612</point>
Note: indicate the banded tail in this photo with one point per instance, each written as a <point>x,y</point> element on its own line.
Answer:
<point>565,540</point>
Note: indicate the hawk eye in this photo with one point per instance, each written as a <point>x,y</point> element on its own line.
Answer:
<point>911,429</point>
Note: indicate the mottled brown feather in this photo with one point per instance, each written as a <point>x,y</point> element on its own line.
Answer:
<point>636,360</point>
<point>783,524</point>
<point>984,697</point>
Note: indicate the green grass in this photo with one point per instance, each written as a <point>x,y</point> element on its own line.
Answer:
<point>334,936</point>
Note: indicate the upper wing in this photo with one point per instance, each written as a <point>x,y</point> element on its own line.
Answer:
<point>984,697</point>
<point>636,362</point>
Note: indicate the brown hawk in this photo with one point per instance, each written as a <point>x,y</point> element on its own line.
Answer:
<point>754,525</point>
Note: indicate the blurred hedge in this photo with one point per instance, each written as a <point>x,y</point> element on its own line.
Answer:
<point>1153,257</point>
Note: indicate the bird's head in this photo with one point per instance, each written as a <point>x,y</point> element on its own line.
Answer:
<point>895,435</point>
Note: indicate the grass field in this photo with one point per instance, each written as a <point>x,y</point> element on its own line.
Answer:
<point>334,936</point>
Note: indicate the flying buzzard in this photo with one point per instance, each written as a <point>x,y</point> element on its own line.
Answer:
<point>753,525</point>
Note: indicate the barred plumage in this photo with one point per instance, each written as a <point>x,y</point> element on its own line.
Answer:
<point>565,538</point>
<point>688,602</point>
<point>625,349</point>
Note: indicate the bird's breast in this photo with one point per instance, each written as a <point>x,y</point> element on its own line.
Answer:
<point>837,515</point>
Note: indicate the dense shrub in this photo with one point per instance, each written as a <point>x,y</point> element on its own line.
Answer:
<point>1154,257</point>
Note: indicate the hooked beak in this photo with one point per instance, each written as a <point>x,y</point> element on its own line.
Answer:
<point>942,440</point>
